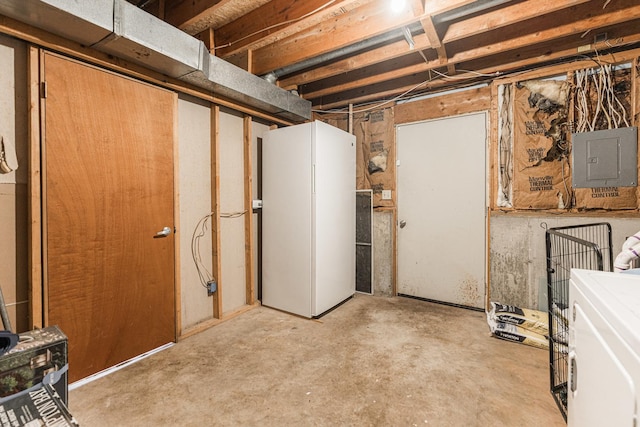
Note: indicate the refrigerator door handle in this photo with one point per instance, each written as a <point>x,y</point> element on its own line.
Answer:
<point>573,366</point>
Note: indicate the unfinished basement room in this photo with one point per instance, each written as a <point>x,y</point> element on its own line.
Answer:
<point>319,213</point>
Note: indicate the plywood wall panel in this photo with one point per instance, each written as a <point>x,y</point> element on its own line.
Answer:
<point>194,195</point>
<point>466,101</point>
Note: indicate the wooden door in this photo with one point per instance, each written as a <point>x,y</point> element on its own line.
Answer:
<point>108,175</point>
<point>442,208</point>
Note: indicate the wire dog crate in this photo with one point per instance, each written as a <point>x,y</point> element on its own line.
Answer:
<point>585,246</point>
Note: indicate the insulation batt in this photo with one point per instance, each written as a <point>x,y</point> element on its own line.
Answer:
<point>378,163</point>
<point>553,90</point>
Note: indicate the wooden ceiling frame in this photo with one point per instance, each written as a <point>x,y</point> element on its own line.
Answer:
<point>576,27</point>
<point>358,24</point>
<point>308,43</point>
<point>360,61</point>
<point>440,84</point>
<point>457,31</point>
<point>263,26</point>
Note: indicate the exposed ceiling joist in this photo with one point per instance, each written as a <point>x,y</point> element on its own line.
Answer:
<point>362,60</point>
<point>349,51</point>
<point>509,15</point>
<point>358,24</point>
<point>276,20</point>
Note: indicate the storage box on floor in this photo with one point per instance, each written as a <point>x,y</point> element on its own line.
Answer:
<point>33,381</point>
<point>517,324</point>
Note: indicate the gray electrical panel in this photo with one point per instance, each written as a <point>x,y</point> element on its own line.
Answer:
<point>605,158</point>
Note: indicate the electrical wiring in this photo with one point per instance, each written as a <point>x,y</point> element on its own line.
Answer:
<point>200,231</point>
<point>394,99</point>
<point>597,86</point>
<point>569,203</point>
<point>494,74</point>
<point>405,93</point>
<point>505,142</point>
<point>279,24</point>
<point>201,227</point>
<point>233,214</point>
<point>408,93</point>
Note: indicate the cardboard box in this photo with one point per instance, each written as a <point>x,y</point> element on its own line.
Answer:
<point>40,406</point>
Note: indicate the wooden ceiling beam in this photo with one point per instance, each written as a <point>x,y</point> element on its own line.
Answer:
<point>186,13</point>
<point>417,6</point>
<point>587,23</point>
<point>360,95</point>
<point>362,60</point>
<point>457,31</point>
<point>373,77</point>
<point>516,44</point>
<point>509,15</point>
<point>434,39</point>
<point>553,51</point>
<point>371,19</point>
<point>264,25</point>
<point>356,25</point>
<point>435,7</point>
<point>382,94</point>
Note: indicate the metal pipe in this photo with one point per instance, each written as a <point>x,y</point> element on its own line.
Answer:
<point>351,49</point>
<point>466,10</point>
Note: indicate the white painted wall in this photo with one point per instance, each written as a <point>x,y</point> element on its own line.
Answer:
<point>194,192</point>
<point>232,241</point>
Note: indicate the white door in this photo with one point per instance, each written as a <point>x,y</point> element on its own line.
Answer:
<point>442,208</point>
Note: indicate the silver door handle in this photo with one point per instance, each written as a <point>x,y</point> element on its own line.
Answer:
<point>163,233</point>
<point>403,223</point>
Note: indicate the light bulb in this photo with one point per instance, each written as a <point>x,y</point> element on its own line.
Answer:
<point>397,6</point>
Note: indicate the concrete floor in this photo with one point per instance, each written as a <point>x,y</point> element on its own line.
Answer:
<point>374,361</point>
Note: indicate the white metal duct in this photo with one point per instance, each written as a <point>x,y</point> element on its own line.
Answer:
<point>85,22</point>
<point>125,31</point>
<point>149,41</point>
<point>226,79</point>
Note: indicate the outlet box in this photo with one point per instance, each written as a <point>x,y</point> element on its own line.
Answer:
<point>212,287</point>
<point>386,194</point>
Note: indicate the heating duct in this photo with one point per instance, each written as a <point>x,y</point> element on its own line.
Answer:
<point>121,29</point>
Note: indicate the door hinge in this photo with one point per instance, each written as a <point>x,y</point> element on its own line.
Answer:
<point>43,90</point>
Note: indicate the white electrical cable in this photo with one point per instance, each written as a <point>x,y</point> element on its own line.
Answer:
<point>279,24</point>
<point>204,274</point>
<point>200,231</point>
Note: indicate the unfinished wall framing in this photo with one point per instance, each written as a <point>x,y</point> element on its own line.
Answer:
<point>518,276</point>
<point>194,171</point>
<point>548,105</point>
<point>194,316</point>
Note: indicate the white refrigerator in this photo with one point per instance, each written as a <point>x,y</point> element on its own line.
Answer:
<point>308,218</point>
<point>604,349</point>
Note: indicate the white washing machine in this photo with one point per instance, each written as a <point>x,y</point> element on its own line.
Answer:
<point>604,349</point>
